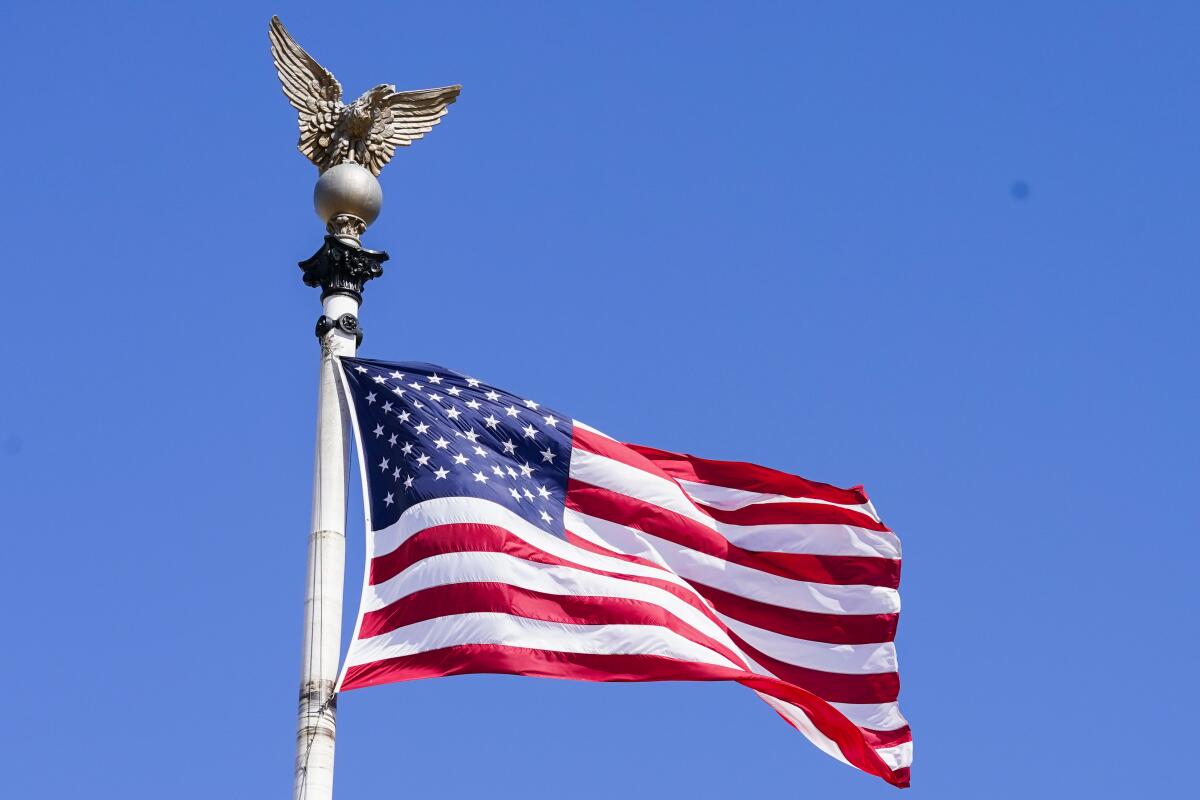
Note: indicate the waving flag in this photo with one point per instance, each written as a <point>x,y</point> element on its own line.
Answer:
<point>505,537</point>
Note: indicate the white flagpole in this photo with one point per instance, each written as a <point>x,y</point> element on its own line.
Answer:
<point>339,140</point>
<point>348,197</point>
<point>326,560</point>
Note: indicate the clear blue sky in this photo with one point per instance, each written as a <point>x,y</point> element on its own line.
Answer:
<point>948,252</point>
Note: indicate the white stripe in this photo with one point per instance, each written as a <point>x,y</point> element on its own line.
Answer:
<point>733,499</point>
<point>876,716</point>
<point>821,598</point>
<point>503,629</point>
<point>817,539</point>
<point>849,659</point>
<point>475,567</point>
<point>795,715</point>
<point>590,429</point>
<point>608,473</point>
<point>894,758</point>
<point>897,757</point>
<point>462,510</point>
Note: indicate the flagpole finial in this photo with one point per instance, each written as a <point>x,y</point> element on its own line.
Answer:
<point>365,132</point>
<point>347,198</point>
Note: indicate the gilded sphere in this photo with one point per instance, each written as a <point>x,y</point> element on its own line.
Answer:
<point>348,189</point>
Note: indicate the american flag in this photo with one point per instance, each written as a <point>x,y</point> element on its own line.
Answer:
<point>505,537</point>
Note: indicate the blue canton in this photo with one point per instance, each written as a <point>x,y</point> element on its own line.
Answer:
<point>427,432</point>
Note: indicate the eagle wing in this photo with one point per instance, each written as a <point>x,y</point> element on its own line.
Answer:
<point>311,89</point>
<point>403,117</point>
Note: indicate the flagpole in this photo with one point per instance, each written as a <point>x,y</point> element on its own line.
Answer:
<point>349,143</point>
<point>348,198</point>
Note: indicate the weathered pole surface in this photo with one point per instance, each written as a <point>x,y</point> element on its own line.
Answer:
<point>349,144</point>
<point>326,560</point>
<point>340,268</point>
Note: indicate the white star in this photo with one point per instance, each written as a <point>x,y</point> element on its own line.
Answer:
<point>527,470</point>
<point>415,385</point>
<point>472,383</point>
<point>471,435</point>
<point>542,491</point>
<point>512,412</point>
<point>480,477</point>
<point>396,474</point>
<point>548,455</point>
<point>435,379</point>
<point>407,449</point>
<point>474,405</point>
<point>392,440</point>
<point>418,404</point>
<point>435,397</point>
<point>546,517</point>
<point>378,431</point>
<point>379,379</point>
<point>404,416</point>
<point>421,427</point>
<point>453,413</point>
<point>423,459</point>
<point>479,451</point>
<point>387,407</point>
<point>509,447</point>
<point>454,391</point>
<point>396,390</point>
<point>491,395</point>
<point>360,368</point>
<point>530,432</point>
<point>371,398</point>
<point>441,443</point>
<point>389,499</point>
<point>516,495</point>
<point>490,421</point>
<point>396,376</point>
<point>531,404</point>
<point>498,471</point>
<point>408,482</point>
<point>551,421</point>
<point>383,465</point>
<point>440,473</point>
<point>528,494</point>
<point>512,473</point>
<point>460,459</point>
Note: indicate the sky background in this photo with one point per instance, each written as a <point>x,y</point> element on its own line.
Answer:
<point>947,251</point>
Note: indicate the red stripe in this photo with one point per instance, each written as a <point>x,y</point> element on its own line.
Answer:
<point>836,687</point>
<point>755,514</point>
<point>473,659</point>
<point>467,598</point>
<point>603,446</point>
<point>879,739</point>
<point>592,547</point>
<point>748,477</point>
<point>830,628</point>
<point>474,537</point>
<point>792,514</point>
<point>686,532</point>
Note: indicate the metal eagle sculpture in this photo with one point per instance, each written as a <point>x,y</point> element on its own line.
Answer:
<point>366,132</point>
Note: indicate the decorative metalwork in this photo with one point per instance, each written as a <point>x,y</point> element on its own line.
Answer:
<point>340,268</point>
<point>347,323</point>
<point>366,132</point>
<point>346,225</point>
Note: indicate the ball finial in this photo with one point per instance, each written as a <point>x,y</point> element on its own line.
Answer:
<point>347,198</point>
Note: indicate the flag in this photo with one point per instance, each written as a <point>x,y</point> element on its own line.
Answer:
<point>505,537</point>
